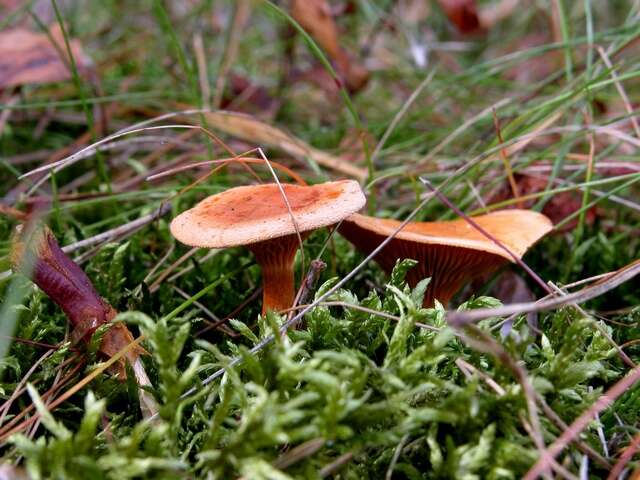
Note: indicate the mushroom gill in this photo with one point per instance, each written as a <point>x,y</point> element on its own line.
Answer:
<point>452,252</point>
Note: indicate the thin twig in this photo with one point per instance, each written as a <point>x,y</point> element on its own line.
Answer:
<point>625,458</point>
<point>396,455</point>
<point>617,278</point>
<point>119,231</point>
<point>579,424</point>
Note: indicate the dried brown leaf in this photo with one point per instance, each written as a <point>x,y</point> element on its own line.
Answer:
<point>28,57</point>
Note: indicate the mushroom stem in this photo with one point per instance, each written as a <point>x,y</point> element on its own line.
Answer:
<point>276,258</point>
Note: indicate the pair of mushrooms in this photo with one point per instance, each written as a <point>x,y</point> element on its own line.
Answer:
<point>258,217</point>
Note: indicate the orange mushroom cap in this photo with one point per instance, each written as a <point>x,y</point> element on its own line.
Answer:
<point>451,252</point>
<point>251,214</point>
<point>259,218</point>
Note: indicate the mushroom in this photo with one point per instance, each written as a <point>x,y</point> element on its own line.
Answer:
<point>259,218</point>
<point>450,252</point>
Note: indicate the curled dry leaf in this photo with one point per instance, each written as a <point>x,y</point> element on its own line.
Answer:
<point>39,256</point>
<point>316,18</point>
<point>28,57</point>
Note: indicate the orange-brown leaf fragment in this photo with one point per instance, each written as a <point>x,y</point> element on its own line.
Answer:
<point>28,57</point>
<point>463,14</point>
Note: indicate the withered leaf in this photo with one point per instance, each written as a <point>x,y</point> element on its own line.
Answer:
<point>28,57</point>
<point>40,257</point>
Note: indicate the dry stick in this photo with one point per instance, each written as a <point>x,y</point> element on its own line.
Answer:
<point>155,268</point>
<point>212,253</point>
<point>22,388</point>
<point>166,147</point>
<point>505,160</point>
<point>79,155</point>
<point>603,402</point>
<point>370,311</point>
<point>396,455</point>
<point>217,323</point>
<point>136,128</point>
<point>548,411</point>
<point>132,182</point>
<point>336,465</point>
<point>598,193</point>
<point>223,161</point>
<point>119,231</point>
<point>569,285</point>
<point>617,278</point>
<point>299,452</point>
<point>520,142</point>
<point>156,283</point>
<point>308,284</point>
<point>469,370</point>
<point>56,385</point>
<point>475,225</point>
<point>625,458</point>
<point>555,418</point>
<point>625,358</point>
<point>48,346</point>
<point>250,129</point>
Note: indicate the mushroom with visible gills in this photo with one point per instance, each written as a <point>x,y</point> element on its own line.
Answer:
<point>259,218</point>
<point>450,252</point>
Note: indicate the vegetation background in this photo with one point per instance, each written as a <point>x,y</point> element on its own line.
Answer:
<point>499,103</point>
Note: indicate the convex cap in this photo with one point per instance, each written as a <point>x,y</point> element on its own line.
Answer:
<point>251,214</point>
